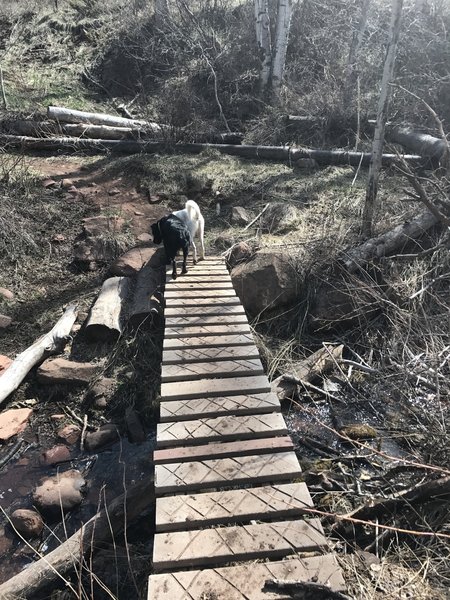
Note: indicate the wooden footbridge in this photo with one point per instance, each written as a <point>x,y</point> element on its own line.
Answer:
<point>230,509</point>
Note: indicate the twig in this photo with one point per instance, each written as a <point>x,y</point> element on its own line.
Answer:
<point>11,453</point>
<point>311,386</point>
<point>310,588</point>
<point>256,218</point>
<point>429,284</point>
<point>2,85</point>
<point>83,433</point>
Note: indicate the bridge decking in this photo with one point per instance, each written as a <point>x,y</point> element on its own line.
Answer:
<point>226,475</point>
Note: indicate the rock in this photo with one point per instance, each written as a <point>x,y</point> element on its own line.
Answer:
<point>59,238</point>
<point>63,491</point>
<point>70,434</point>
<point>55,455</point>
<point>224,241</point>
<point>5,322</point>
<point>145,238</point>
<point>358,431</point>
<point>138,213</point>
<point>280,218</point>
<point>67,183</point>
<point>72,190</point>
<point>265,283</point>
<point>132,261</point>
<point>5,542</point>
<point>13,421</point>
<point>100,392</point>
<point>136,433</point>
<point>240,216</point>
<point>241,252</point>
<point>28,523</point>
<point>63,371</point>
<point>48,183</point>
<point>4,363</point>
<point>153,198</point>
<point>96,244</point>
<point>307,163</point>
<point>113,192</point>
<point>57,417</point>
<point>6,294</point>
<point>198,184</point>
<point>106,434</point>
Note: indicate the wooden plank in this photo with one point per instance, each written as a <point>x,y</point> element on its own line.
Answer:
<point>221,545</point>
<point>182,294</point>
<point>215,387</point>
<point>223,450</point>
<point>210,285</point>
<point>192,355</point>
<point>185,410</point>
<point>208,341</point>
<point>212,301</point>
<point>205,320</point>
<point>226,428</point>
<point>226,472</point>
<point>206,330</point>
<point>191,277</point>
<point>206,370</point>
<point>245,582</point>
<point>208,310</point>
<point>192,511</point>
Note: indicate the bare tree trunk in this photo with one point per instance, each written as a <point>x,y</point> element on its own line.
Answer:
<point>105,318</point>
<point>353,54</point>
<point>383,104</point>
<point>284,14</point>
<point>50,343</point>
<point>263,39</point>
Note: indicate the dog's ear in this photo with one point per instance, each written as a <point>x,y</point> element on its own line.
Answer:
<point>156,233</point>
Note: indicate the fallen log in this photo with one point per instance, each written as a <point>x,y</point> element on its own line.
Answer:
<point>276,153</point>
<point>103,527</point>
<point>66,115</point>
<point>50,343</point>
<point>146,306</point>
<point>105,318</point>
<point>388,242</point>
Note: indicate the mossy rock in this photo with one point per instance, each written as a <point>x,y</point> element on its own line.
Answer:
<point>359,431</point>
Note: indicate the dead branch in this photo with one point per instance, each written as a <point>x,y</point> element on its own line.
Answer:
<point>309,590</point>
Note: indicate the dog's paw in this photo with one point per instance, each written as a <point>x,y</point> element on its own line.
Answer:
<point>195,261</point>
<point>184,271</point>
<point>174,274</point>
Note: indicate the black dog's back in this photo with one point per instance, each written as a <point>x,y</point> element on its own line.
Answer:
<point>175,236</point>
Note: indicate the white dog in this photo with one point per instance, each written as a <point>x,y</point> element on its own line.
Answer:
<point>194,221</point>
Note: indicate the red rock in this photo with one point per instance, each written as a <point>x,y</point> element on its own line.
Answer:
<point>61,370</point>
<point>114,192</point>
<point>47,183</point>
<point>55,455</point>
<point>57,417</point>
<point>29,523</point>
<point>107,434</point>
<point>70,434</point>
<point>153,198</point>
<point>5,322</point>
<point>138,213</point>
<point>132,261</point>
<point>13,421</point>
<point>144,238</point>
<point>67,183</point>
<point>4,363</point>
<point>6,294</point>
<point>61,491</point>
<point>59,238</point>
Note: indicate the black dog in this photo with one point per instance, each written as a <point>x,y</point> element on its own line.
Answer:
<point>174,234</point>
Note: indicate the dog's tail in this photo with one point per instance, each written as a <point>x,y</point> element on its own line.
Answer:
<point>193,210</point>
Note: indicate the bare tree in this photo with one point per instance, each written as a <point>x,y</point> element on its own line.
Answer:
<point>284,14</point>
<point>355,47</point>
<point>262,22</point>
<point>382,111</point>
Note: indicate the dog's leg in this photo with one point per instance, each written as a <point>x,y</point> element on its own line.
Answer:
<point>185,256</point>
<point>194,251</point>
<point>174,268</point>
<point>201,230</point>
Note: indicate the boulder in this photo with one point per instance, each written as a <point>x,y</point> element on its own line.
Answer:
<point>6,294</point>
<point>5,322</point>
<point>106,434</point>
<point>97,243</point>
<point>70,434</point>
<point>266,282</point>
<point>62,491</point>
<point>241,252</point>
<point>63,371</point>
<point>55,455</point>
<point>13,421</point>
<point>100,392</point>
<point>240,216</point>
<point>280,217</point>
<point>132,261</point>
<point>28,523</point>
<point>4,363</point>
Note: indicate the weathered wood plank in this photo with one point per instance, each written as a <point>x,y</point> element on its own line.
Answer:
<point>192,511</point>
<point>192,277</point>
<point>207,370</point>
<point>245,582</point>
<point>223,450</point>
<point>212,301</point>
<point>222,545</point>
<point>192,355</point>
<point>225,429</point>
<point>226,472</point>
<point>208,341</point>
<point>185,410</point>
<point>206,330</point>
<point>215,387</point>
<point>206,311</point>
<point>205,320</point>
<point>208,293</point>
<point>210,285</point>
